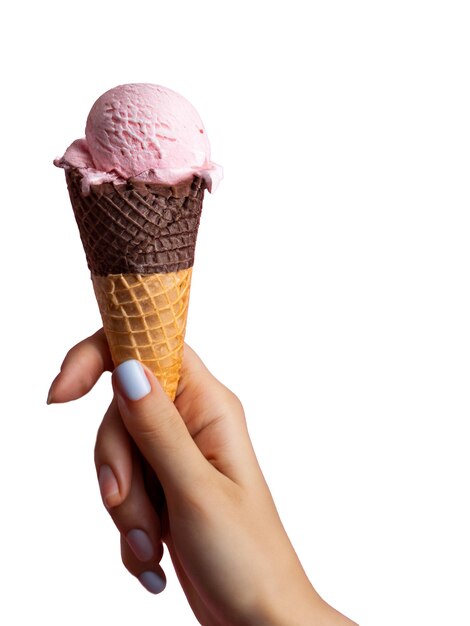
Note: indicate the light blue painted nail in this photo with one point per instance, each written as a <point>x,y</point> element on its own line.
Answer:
<point>132,380</point>
<point>152,582</point>
<point>140,544</point>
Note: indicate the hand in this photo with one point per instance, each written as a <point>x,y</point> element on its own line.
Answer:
<point>217,517</point>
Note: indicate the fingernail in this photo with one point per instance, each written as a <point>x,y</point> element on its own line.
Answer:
<point>132,380</point>
<point>51,389</point>
<point>152,582</point>
<point>140,544</point>
<point>109,487</point>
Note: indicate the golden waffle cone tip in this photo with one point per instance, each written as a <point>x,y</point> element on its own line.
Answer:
<point>144,318</point>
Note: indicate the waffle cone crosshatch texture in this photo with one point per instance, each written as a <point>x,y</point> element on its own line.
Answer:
<point>139,243</point>
<point>137,228</point>
<point>144,317</point>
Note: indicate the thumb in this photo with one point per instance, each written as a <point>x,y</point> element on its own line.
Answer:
<point>158,429</point>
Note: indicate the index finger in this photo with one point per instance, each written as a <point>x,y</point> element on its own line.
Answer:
<point>82,367</point>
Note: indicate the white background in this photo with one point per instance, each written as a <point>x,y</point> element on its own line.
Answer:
<point>331,291</point>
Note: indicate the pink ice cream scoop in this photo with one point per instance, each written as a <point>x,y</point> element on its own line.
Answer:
<point>142,132</point>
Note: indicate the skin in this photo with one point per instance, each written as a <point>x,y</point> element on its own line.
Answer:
<point>210,504</point>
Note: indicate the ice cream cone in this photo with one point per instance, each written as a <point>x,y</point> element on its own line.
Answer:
<point>139,241</point>
<point>136,182</point>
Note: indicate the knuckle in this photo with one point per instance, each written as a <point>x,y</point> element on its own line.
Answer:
<point>99,441</point>
<point>126,561</point>
<point>152,422</point>
<point>230,405</point>
<point>97,447</point>
<point>234,402</point>
<point>159,552</point>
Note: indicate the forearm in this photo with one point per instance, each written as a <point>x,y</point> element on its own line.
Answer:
<point>281,592</point>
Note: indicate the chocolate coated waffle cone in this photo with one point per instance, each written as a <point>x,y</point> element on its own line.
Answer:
<point>139,241</point>
<point>137,228</point>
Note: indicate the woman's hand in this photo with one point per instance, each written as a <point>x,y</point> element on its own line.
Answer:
<point>200,491</point>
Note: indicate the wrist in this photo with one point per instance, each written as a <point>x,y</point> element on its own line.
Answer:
<point>282,600</point>
<point>298,604</point>
<point>298,610</point>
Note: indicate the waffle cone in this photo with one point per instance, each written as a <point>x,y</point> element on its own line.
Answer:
<point>144,318</point>
<point>139,240</point>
